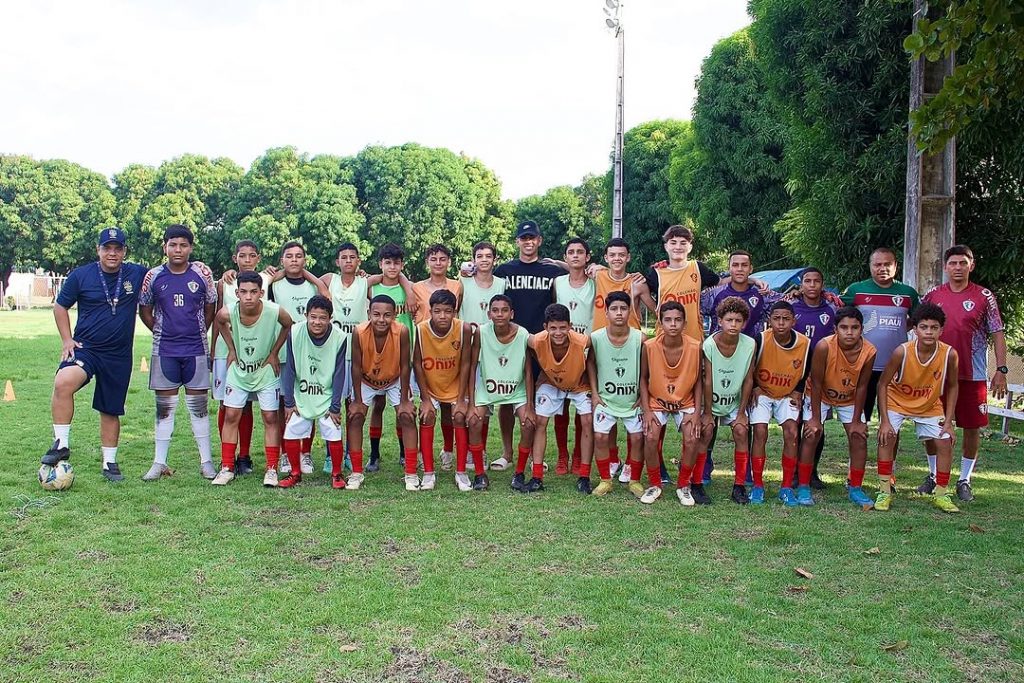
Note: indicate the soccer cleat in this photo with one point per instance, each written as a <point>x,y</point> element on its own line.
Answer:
<point>412,482</point>
<point>355,480</point>
<point>858,497</point>
<point>816,483</point>
<point>156,471</point>
<point>664,474</point>
<point>270,478</point>
<point>55,455</point>
<point>372,466</point>
<point>562,467</point>
<point>429,481</point>
<point>927,487</point>
<point>685,496</point>
<point>224,477</point>
<point>328,465</point>
<point>787,497</point>
<point>243,465</point>
<point>945,503</point>
<point>290,481</point>
<point>112,472</point>
<point>501,464</point>
<point>306,463</point>
<point>739,494</point>
<point>804,497</point>
<point>481,482</point>
<point>883,502</point>
<point>636,488</point>
<point>207,470</point>
<point>650,495</point>
<point>518,482</point>
<point>583,485</point>
<point>615,467</point>
<point>286,467</point>
<point>700,496</point>
<point>447,460</point>
<point>603,488</point>
<point>534,485</point>
<point>625,473</point>
<point>337,482</point>
<point>756,495</point>
<point>471,466</point>
<point>462,482</point>
<point>963,491</point>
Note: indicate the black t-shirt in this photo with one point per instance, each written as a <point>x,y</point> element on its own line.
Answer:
<point>528,285</point>
<point>708,278</point>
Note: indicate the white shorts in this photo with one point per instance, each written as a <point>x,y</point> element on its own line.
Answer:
<point>220,378</point>
<point>393,391</point>
<point>726,420</point>
<point>925,427</point>
<point>662,416</point>
<point>550,398</point>
<point>843,413</point>
<point>299,427</point>
<point>346,390</point>
<point>782,409</point>
<point>268,397</point>
<point>604,421</point>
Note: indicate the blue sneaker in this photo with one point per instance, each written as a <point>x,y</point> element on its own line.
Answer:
<point>757,495</point>
<point>787,497</point>
<point>327,464</point>
<point>860,499</point>
<point>803,495</point>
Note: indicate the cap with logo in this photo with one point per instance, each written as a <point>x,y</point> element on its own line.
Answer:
<point>108,235</point>
<point>527,229</point>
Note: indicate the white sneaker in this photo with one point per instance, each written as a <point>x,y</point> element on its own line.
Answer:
<point>207,470</point>
<point>156,471</point>
<point>412,482</point>
<point>625,472</point>
<point>463,482</point>
<point>286,467</point>
<point>224,477</point>
<point>652,494</point>
<point>270,478</point>
<point>355,480</point>
<point>615,467</point>
<point>306,463</point>
<point>500,464</point>
<point>684,496</point>
<point>447,460</point>
<point>428,482</point>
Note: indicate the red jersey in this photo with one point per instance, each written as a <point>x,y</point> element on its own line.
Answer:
<point>971,316</point>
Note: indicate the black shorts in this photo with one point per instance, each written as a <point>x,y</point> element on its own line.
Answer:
<point>113,374</point>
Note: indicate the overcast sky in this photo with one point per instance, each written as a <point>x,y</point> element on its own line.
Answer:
<point>526,87</point>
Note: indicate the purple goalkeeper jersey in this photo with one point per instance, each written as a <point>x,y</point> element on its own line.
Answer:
<point>815,322</point>
<point>179,315</point>
<point>759,305</point>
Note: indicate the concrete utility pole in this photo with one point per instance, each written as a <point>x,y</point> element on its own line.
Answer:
<point>931,180</point>
<point>613,10</point>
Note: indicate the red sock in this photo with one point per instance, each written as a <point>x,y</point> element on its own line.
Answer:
<point>411,460</point>
<point>448,434</point>
<point>885,469</point>
<point>245,431</point>
<point>613,454</point>
<point>788,468</point>
<point>337,451</point>
<point>538,470</point>
<point>803,473</point>
<point>524,455</point>
<point>604,468</point>
<point>273,456</point>
<point>585,470</point>
<point>291,450</point>
<point>307,445</point>
<point>739,460</point>
<point>856,478</point>
<point>654,476</point>
<point>357,461</point>
<point>227,455</point>
<point>636,470</point>
<point>461,448</point>
<point>221,412</point>
<point>427,447</point>
<point>375,432</point>
<point>697,476</point>
<point>477,450</point>
<point>576,439</point>
<point>758,466</point>
<point>562,434</point>
<point>942,478</point>
<point>685,474</point>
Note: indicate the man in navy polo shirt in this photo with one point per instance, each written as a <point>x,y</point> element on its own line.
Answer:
<point>107,295</point>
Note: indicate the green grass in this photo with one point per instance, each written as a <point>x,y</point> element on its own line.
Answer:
<point>180,581</point>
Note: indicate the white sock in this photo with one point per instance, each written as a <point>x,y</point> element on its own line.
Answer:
<point>199,413</point>
<point>967,468</point>
<point>109,454</point>
<point>62,435</point>
<point>931,463</point>
<point>166,406</point>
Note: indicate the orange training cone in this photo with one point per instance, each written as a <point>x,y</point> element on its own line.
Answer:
<point>9,391</point>
<point>143,365</point>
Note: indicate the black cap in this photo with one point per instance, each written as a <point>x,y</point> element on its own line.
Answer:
<point>111,234</point>
<point>527,229</point>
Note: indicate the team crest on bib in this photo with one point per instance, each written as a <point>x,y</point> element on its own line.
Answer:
<point>346,310</point>
<point>249,349</point>
<point>502,361</point>
<point>193,287</point>
<point>456,344</point>
<point>671,388</point>
<point>726,383</point>
<point>313,368</point>
<point>693,277</point>
<point>620,371</point>
<point>968,305</point>
<point>797,363</point>
<point>823,318</point>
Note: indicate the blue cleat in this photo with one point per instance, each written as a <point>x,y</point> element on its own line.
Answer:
<point>803,496</point>
<point>787,497</point>
<point>757,495</point>
<point>327,464</point>
<point>860,499</point>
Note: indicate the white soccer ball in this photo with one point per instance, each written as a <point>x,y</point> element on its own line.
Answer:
<point>60,477</point>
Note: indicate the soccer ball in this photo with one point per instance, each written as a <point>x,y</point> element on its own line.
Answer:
<point>57,478</point>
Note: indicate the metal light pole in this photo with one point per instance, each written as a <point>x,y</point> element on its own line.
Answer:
<point>613,10</point>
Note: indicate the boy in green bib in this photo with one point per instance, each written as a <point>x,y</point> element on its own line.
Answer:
<point>253,332</point>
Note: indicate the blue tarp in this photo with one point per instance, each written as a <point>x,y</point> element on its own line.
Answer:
<point>781,280</point>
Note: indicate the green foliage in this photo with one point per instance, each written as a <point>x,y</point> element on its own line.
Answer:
<point>731,181</point>
<point>564,212</point>
<point>990,78</point>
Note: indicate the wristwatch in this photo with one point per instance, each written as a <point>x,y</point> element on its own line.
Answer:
<point>1003,369</point>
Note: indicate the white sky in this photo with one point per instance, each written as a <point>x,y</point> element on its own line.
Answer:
<point>528,88</point>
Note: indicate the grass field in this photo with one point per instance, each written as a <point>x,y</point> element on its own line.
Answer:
<point>180,581</point>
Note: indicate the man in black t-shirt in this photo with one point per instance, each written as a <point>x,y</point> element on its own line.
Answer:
<point>528,279</point>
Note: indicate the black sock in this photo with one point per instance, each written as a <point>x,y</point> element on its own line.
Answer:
<point>374,448</point>
<point>401,448</point>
